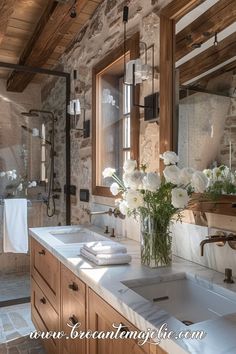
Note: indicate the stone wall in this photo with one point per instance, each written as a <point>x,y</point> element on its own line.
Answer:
<point>103,33</point>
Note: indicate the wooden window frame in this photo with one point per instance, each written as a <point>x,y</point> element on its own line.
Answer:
<point>132,46</point>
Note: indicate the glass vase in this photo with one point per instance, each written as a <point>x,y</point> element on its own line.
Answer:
<point>155,242</point>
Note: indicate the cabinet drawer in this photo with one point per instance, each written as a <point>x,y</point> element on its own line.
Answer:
<point>72,286</point>
<point>44,316</point>
<point>45,270</point>
<point>72,310</point>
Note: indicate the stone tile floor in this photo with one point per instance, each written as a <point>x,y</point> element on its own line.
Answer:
<point>14,286</point>
<point>15,326</point>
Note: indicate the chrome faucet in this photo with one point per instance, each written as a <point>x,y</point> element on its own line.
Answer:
<point>221,238</point>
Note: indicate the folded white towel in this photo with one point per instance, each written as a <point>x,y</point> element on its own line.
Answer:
<point>106,259</point>
<point>104,247</point>
<point>15,229</point>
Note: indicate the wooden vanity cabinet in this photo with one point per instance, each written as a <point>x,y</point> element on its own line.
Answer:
<point>58,297</point>
<point>73,305</point>
<point>101,317</point>
<point>45,293</point>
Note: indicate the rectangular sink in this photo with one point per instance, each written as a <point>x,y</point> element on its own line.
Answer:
<point>184,297</point>
<point>75,235</point>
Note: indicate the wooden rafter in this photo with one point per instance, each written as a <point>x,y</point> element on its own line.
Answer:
<point>175,10</point>
<point>208,59</point>
<point>52,26</point>
<point>6,10</point>
<point>215,19</point>
<point>224,69</point>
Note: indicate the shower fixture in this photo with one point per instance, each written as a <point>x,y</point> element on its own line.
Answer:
<point>35,113</point>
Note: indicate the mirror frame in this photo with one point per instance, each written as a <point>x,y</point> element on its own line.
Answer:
<point>169,15</point>
<point>132,46</point>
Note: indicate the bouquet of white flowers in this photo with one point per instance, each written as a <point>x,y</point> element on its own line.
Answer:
<point>157,200</point>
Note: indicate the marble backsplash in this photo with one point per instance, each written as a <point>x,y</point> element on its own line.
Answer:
<point>186,244</point>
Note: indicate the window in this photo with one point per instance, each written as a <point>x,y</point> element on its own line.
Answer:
<point>115,121</point>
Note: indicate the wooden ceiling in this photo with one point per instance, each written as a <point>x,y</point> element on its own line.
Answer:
<point>216,19</point>
<point>37,32</point>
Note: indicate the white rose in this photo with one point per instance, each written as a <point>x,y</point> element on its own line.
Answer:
<point>14,175</point>
<point>134,199</point>
<point>199,182</point>
<point>208,173</point>
<point>114,188</point>
<point>186,175</point>
<point>151,181</point>
<point>20,187</point>
<point>172,174</point>
<point>133,180</point>
<point>217,174</point>
<point>130,166</point>
<point>170,158</point>
<point>179,198</point>
<point>32,184</point>
<point>2,174</point>
<point>9,174</point>
<point>108,172</point>
<point>123,207</point>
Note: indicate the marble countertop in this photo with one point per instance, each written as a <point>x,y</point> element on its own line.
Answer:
<point>106,281</point>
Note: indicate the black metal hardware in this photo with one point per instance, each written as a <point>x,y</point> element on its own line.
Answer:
<point>228,276</point>
<point>73,286</point>
<point>73,320</point>
<point>161,298</point>
<point>124,328</point>
<point>71,189</point>
<point>113,232</point>
<point>42,253</point>
<point>43,301</point>
<point>84,195</point>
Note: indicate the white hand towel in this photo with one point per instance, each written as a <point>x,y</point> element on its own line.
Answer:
<point>104,247</point>
<point>15,228</point>
<point>106,259</point>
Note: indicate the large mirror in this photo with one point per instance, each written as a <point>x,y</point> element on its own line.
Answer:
<point>206,82</point>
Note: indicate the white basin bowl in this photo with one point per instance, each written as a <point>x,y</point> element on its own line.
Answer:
<point>75,235</point>
<point>188,299</point>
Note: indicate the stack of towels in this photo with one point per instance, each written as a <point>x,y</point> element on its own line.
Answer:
<point>105,252</point>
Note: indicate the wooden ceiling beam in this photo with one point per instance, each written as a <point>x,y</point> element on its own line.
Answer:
<point>52,26</point>
<point>224,69</point>
<point>208,59</point>
<point>215,19</point>
<point>6,10</point>
<point>175,10</point>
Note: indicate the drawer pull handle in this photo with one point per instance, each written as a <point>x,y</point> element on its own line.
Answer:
<point>73,286</point>
<point>73,320</point>
<point>42,253</point>
<point>43,300</point>
<point>124,328</point>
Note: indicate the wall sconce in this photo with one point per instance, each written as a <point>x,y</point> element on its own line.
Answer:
<point>74,109</point>
<point>136,72</point>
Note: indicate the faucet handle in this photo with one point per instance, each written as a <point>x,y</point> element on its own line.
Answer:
<point>228,276</point>
<point>106,230</point>
<point>113,232</point>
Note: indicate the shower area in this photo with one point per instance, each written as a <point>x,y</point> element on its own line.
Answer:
<point>33,155</point>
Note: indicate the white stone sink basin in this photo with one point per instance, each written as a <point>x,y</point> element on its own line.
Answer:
<point>75,235</point>
<point>188,299</point>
